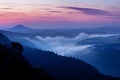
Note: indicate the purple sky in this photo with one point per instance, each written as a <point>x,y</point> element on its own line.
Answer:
<point>59,13</point>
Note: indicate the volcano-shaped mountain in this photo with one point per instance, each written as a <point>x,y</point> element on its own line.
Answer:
<point>20,28</point>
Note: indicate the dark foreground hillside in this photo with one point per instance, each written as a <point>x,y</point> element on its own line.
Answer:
<point>63,68</point>
<point>14,66</point>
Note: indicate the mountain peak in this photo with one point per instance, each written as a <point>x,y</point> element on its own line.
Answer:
<point>20,27</point>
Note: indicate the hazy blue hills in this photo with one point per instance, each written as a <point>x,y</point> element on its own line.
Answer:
<point>50,42</point>
<point>16,67</point>
<point>64,32</point>
<point>103,52</point>
<point>60,67</point>
<point>100,40</point>
<point>105,57</point>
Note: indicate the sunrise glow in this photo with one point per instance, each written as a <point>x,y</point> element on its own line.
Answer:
<point>39,12</point>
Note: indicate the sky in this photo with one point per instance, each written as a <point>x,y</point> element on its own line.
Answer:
<point>60,13</point>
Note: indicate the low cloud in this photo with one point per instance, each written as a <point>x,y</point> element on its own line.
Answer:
<point>55,11</point>
<point>89,11</point>
<point>13,14</point>
<point>6,8</point>
<point>66,46</point>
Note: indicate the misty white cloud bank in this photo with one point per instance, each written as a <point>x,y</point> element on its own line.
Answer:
<point>66,46</point>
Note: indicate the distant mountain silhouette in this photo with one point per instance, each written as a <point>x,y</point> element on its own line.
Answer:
<point>19,28</point>
<point>65,32</point>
